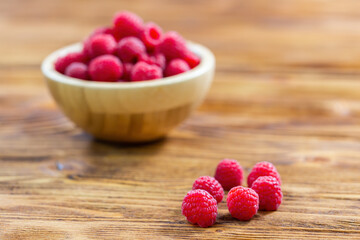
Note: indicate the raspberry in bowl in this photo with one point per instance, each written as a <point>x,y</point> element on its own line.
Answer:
<point>129,82</point>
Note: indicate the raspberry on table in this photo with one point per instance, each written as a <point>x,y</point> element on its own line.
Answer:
<point>172,46</point>
<point>229,173</point>
<point>63,62</point>
<point>105,68</point>
<point>127,24</point>
<point>143,71</point>
<point>243,203</point>
<point>192,59</point>
<point>151,35</point>
<point>129,49</point>
<point>101,44</point>
<point>199,207</point>
<point>77,70</point>
<point>269,191</point>
<point>176,66</point>
<point>211,185</point>
<point>262,169</point>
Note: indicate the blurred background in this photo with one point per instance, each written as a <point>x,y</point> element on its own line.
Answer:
<point>289,41</point>
<point>246,36</point>
<point>286,90</point>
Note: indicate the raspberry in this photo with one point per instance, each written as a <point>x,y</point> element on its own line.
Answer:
<point>269,191</point>
<point>101,30</point>
<point>97,31</point>
<point>172,46</point>
<point>211,185</point>
<point>175,67</point>
<point>243,203</point>
<point>127,71</point>
<point>151,35</point>
<point>63,62</point>
<point>77,70</point>
<point>127,24</point>
<point>199,207</point>
<point>263,169</point>
<point>229,173</point>
<point>143,71</point>
<point>156,59</point>
<point>105,68</point>
<point>129,49</point>
<point>192,59</point>
<point>101,44</point>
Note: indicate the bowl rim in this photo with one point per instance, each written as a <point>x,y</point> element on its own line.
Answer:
<point>206,64</point>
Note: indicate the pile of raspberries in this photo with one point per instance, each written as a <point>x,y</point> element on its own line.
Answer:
<point>129,50</point>
<point>264,193</point>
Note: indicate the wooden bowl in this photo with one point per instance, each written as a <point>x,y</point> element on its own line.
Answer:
<point>130,111</point>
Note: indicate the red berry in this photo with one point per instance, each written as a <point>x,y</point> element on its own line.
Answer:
<point>101,30</point>
<point>199,207</point>
<point>160,60</point>
<point>143,71</point>
<point>269,191</point>
<point>63,62</point>
<point>211,185</point>
<point>127,71</point>
<point>172,46</point>
<point>229,173</point>
<point>77,70</point>
<point>263,169</point>
<point>243,203</point>
<point>105,68</point>
<point>129,49</point>
<point>101,44</point>
<point>192,59</point>
<point>176,66</point>
<point>156,59</point>
<point>97,31</point>
<point>127,24</point>
<point>86,49</point>
<point>151,35</point>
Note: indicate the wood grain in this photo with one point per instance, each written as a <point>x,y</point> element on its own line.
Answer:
<point>286,90</point>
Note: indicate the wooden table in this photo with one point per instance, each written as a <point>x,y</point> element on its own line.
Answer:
<point>287,90</point>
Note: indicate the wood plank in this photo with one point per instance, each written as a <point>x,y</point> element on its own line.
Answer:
<point>285,91</point>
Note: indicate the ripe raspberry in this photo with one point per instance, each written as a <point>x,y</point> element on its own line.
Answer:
<point>129,49</point>
<point>229,173</point>
<point>105,68</point>
<point>199,207</point>
<point>77,70</point>
<point>243,203</point>
<point>156,59</point>
<point>127,71</point>
<point>172,46</point>
<point>127,24</point>
<point>175,67</point>
<point>151,35</point>
<point>143,71</point>
<point>269,191</point>
<point>192,59</point>
<point>101,30</point>
<point>97,31</point>
<point>63,62</point>
<point>263,169</point>
<point>211,185</point>
<point>101,44</point>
